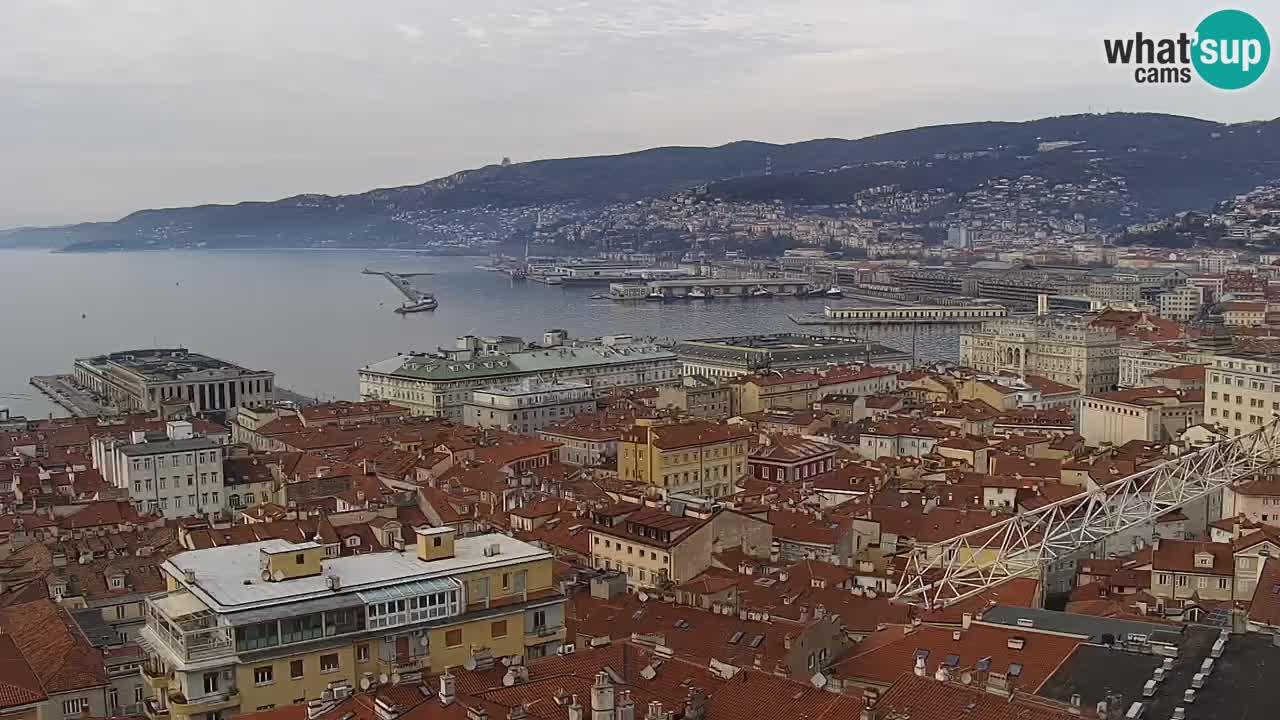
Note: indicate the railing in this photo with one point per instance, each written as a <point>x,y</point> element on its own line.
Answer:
<point>225,697</point>
<point>199,643</point>
<point>543,631</point>
<point>406,663</point>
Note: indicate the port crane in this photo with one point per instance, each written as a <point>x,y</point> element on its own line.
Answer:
<point>942,574</point>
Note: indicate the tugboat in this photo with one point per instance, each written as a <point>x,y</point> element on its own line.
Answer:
<point>834,292</point>
<point>761,292</point>
<point>655,295</point>
<point>697,293</point>
<point>424,303</point>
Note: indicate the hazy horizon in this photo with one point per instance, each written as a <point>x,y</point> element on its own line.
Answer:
<point>112,108</point>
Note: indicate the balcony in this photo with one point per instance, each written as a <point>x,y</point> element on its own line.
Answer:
<point>543,633</point>
<point>180,705</point>
<point>153,711</point>
<point>181,625</point>
<point>156,675</point>
<point>405,664</point>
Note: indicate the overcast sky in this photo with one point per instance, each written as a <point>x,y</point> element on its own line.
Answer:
<point>107,106</point>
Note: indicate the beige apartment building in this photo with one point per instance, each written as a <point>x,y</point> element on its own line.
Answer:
<point>1150,414</point>
<point>1182,303</point>
<point>1072,353</point>
<point>697,396</point>
<point>1242,391</point>
<point>1182,568</point>
<point>699,458</point>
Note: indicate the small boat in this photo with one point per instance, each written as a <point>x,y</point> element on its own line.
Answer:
<point>697,294</point>
<point>655,296</point>
<point>834,292</point>
<point>816,291</point>
<point>761,291</point>
<point>423,304</point>
<point>597,296</point>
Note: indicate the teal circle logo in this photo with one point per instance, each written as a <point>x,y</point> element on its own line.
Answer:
<point>1232,49</point>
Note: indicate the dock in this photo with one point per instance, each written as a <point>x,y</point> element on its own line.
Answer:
<point>70,396</point>
<point>399,280</point>
<point>968,315</point>
<point>744,289</point>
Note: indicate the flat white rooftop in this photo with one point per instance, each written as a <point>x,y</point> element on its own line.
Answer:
<point>229,579</point>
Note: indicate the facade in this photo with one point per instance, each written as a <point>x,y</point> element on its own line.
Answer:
<point>1182,568</point>
<point>177,475</point>
<point>697,396</point>
<point>146,379</point>
<point>252,627</point>
<point>1258,501</point>
<point>1244,314</point>
<point>1139,361</point>
<point>439,385</point>
<point>528,406</point>
<point>773,391</point>
<point>1150,414</point>
<point>588,440</point>
<point>729,357</point>
<point>1182,303</point>
<point>697,458</point>
<point>1075,354</point>
<point>653,547</point>
<point>1242,391</point>
<point>1115,293</point>
<point>790,459</point>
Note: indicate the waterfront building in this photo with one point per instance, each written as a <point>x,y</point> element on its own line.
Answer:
<point>276,623</point>
<point>1242,391</point>
<point>144,380</point>
<point>176,474</point>
<point>441,384</point>
<point>727,357</point>
<point>528,406</point>
<point>1071,353</point>
<point>697,458</point>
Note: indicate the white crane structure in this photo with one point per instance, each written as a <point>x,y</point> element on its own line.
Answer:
<point>941,574</point>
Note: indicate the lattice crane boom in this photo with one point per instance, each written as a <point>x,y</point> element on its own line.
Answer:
<point>948,572</point>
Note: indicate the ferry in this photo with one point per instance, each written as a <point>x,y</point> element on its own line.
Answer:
<point>655,296</point>
<point>423,304</point>
<point>835,291</point>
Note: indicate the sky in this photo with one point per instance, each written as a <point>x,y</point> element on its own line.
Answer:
<point>112,106</point>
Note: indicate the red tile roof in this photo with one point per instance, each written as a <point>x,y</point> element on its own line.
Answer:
<point>920,698</point>
<point>1265,608</point>
<point>54,647</point>
<point>890,657</point>
<point>1180,556</point>
<point>18,683</point>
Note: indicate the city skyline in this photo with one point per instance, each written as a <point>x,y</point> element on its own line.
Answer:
<point>145,108</point>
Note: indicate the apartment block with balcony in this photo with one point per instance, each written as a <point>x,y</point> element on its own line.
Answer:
<point>250,627</point>
<point>699,458</point>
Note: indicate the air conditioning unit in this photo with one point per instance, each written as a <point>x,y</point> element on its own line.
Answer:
<point>566,649</point>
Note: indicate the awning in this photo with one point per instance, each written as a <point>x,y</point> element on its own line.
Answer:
<point>179,605</point>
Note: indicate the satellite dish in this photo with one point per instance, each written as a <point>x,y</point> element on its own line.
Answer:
<point>508,680</point>
<point>966,678</point>
<point>424,641</point>
<point>818,680</point>
<point>382,678</point>
<point>365,683</point>
<point>278,575</point>
<point>266,575</point>
<point>469,663</point>
<point>395,678</point>
<point>643,596</point>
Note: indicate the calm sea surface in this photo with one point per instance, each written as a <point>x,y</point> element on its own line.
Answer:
<point>313,318</point>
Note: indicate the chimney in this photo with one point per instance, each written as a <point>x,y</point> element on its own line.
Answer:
<point>603,699</point>
<point>920,669</point>
<point>477,713</point>
<point>518,713</point>
<point>626,708</point>
<point>655,711</point>
<point>966,620</point>
<point>575,709</point>
<point>446,689</point>
<point>435,543</point>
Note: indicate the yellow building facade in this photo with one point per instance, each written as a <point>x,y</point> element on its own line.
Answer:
<point>699,458</point>
<point>252,627</point>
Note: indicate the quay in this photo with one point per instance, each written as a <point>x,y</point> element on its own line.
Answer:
<point>905,315</point>
<point>413,295</point>
<point>747,288</point>
<point>64,391</point>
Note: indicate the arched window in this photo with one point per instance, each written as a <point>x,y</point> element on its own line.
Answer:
<point>249,499</point>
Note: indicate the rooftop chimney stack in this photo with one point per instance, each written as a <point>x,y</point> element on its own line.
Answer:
<point>603,698</point>
<point>575,708</point>
<point>447,695</point>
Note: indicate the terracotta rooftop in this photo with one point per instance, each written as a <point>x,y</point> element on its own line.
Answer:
<point>1181,556</point>
<point>920,698</point>
<point>18,683</point>
<point>54,647</point>
<point>687,434</point>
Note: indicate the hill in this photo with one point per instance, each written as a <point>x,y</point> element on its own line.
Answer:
<point>1172,162</point>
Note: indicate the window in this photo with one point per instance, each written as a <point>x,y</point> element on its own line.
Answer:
<point>1202,582</point>
<point>295,669</point>
<point>1164,578</point>
<point>210,683</point>
<point>113,698</point>
<point>539,619</point>
<point>362,653</point>
<point>329,663</point>
<point>1223,583</point>
<point>263,675</point>
<point>453,638</point>
<point>498,628</point>
<point>74,706</point>
<point>137,693</point>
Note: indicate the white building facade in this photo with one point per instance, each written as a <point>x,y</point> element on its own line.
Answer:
<point>527,407</point>
<point>177,475</point>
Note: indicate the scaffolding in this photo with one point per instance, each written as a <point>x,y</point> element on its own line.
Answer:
<point>942,574</point>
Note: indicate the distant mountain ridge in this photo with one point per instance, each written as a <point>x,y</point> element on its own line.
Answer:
<point>1177,162</point>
